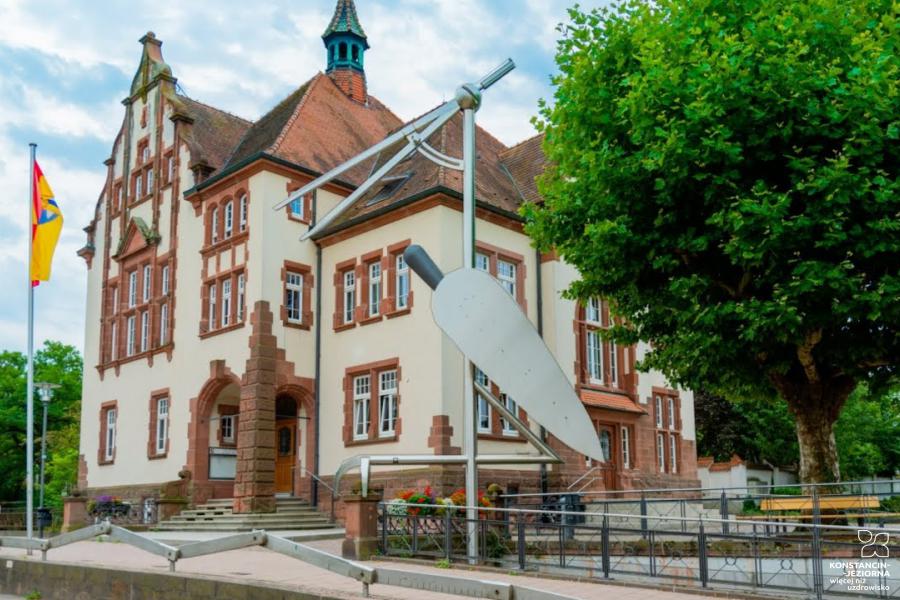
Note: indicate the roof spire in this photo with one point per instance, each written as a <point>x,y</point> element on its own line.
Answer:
<point>345,44</point>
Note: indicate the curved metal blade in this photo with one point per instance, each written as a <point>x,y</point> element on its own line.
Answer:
<point>488,326</point>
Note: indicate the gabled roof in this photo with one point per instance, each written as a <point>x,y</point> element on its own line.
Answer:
<point>417,176</point>
<point>318,127</point>
<point>214,133</point>
<point>525,161</point>
<point>344,20</point>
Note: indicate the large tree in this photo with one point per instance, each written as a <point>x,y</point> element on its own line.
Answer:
<point>56,363</point>
<point>725,172</point>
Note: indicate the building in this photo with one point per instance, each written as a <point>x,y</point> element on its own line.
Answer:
<point>230,355</point>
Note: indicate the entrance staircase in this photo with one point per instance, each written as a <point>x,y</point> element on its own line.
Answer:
<point>217,515</point>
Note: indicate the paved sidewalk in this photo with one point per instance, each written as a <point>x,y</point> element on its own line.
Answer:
<point>258,565</point>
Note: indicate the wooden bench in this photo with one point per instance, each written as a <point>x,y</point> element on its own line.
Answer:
<point>804,503</point>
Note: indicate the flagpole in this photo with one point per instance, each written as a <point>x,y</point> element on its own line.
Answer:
<point>29,401</point>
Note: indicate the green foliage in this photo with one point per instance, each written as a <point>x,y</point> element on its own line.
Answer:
<point>442,563</point>
<point>891,504</point>
<point>868,434</point>
<point>56,363</point>
<point>786,491</point>
<point>725,172</point>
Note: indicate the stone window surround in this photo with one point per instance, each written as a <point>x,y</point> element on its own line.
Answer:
<point>232,276</point>
<point>665,394</point>
<point>625,356</point>
<point>371,369</point>
<point>388,305</point>
<point>228,410</point>
<point>136,262</point>
<point>237,235</point>
<point>494,253</point>
<point>155,396</point>
<point>306,316</point>
<point>101,449</point>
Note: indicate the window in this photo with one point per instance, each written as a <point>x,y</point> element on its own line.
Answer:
<point>242,216</point>
<point>671,413</point>
<point>145,154</point>
<point>387,403</point>
<point>661,452</point>
<point>240,297</point>
<point>361,396</point>
<point>484,407</point>
<point>214,225</point>
<point>506,273</point>
<point>613,374</point>
<point>592,311</point>
<point>162,424</point>
<point>293,300</point>
<point>138,186</point>
<point>145,330</point>
<point>109,452</point>
<point>484,415</point>
<point>115,299</point>
<point>150,181</point>
<point>296,207</point>
<point>605,445</point>
<point>226,423</point>
<point>349,295</point>
<point>594,356</point>
<point>165,280</point>
<point>148,283</point>
<point>114,351</point>
<point>119,193</point>
<point>374,288</point>
<point>659,412</point>
<point>506,426</point>
<point>132,289</point>
<point>129,340</point>
<point>229,218</point>
<point>402,282</point>
<point>673,454</point>
<point>163,324</point>
<point>482,262</point>
<point>626,448</point>
<point>212,306</point>
<point>170,169</point>
<point>226,303</point>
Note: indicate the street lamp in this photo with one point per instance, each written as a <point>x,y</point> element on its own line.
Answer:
<point>45,391</point>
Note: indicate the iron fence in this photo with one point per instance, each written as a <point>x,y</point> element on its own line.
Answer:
<point>819,560</point>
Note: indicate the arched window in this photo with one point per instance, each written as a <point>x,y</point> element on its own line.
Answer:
<point>342,51</point>
<point>355,53</point>
<point>229,219</point>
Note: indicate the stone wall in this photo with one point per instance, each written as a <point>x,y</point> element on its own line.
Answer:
<point>74,582</point>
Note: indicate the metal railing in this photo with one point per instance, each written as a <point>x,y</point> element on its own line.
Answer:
<point>330,489</point>
<point>476,588</point>
<point>767,556</point>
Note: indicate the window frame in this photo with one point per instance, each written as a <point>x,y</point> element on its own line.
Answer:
<point>387,399</point>
<point>162,425</point>
<point>362,407</point>
<point>293,290</point>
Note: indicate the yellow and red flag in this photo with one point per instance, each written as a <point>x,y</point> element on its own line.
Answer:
<point>46,225</point>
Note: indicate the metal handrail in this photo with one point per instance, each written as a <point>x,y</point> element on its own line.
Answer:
<point>720,489</point>
<point>698,520</point>
<point>333,494</point>
<point>586,473</point>
<point>364,574</point>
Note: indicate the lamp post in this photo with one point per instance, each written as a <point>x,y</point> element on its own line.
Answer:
<point>45,391</point>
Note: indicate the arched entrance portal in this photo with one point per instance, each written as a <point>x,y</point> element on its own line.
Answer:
<point>287,443</point>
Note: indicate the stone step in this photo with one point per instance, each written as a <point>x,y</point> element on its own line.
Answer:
<point>242,518</point>
<point>218,515</point>
<point>285,526</point>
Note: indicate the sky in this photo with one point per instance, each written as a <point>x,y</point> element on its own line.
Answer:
<point>66,66</point>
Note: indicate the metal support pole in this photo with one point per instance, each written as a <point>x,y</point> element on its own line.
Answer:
<point>448,534</point>
<point>520,540</point>
<point>470,433</point>
<point>644,526</point>
<point>43,455</point>
<point>701,552</point>
<point>604,547</point>
<point>723,512</point>
<point>29,399</point>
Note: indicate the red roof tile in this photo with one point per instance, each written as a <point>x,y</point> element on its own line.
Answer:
<point>610,401</point>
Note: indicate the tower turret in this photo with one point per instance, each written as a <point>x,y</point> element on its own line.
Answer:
<point>345,44</point>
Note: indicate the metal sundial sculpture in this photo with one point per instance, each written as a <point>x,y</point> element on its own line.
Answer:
<point>474,311</point>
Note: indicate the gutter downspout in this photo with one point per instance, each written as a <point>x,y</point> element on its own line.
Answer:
<point>318,356</point>
<point>540,329</point>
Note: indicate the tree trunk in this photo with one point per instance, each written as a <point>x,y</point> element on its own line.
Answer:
<point>816,408</point>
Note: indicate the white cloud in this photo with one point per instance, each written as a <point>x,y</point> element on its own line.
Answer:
<point>242,57</point>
